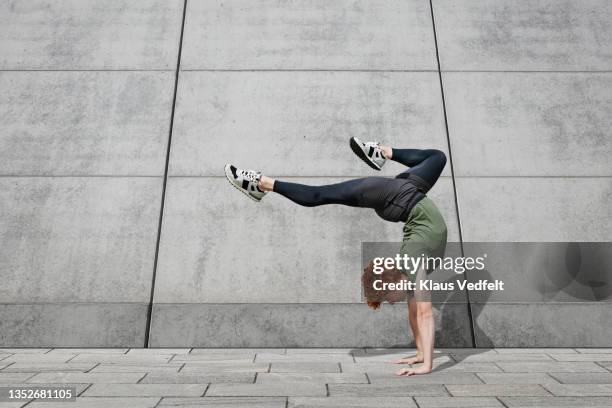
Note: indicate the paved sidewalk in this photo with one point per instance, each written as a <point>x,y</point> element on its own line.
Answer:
<point>313,377</point>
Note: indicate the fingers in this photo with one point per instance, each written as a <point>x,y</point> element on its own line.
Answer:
<point>405,372</point>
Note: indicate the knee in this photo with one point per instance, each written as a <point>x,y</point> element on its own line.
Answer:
<point>440,157</point>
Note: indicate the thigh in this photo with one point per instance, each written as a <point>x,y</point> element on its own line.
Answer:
<point>373,192</point>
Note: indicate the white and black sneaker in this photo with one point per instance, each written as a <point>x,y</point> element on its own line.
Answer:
<point>245,180</point>
<point>369,152</point>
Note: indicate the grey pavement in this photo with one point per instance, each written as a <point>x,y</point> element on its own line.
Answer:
<point>307,382</point>
<point>118,230</point>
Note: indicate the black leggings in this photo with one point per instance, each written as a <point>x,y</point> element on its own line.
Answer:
<point>369,192</point>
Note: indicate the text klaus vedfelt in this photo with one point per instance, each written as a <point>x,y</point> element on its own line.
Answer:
<point>411,265</point>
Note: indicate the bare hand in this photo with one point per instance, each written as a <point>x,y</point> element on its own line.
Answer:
<point>406,372</point>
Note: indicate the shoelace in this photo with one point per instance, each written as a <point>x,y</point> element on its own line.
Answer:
<point>250,175</point>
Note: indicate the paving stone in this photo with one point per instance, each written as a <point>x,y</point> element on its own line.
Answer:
<point>197,378</point>
<point>89,351</point>
<point>523,35</point>
<point>242,350</point>
<point>79,387</point>
<point>10,378</point>
<point>347,351</point>
<point>325,378</point>
<point>580,390</point>
<point>554,367</point>
<point>383,368</point>
<point>493,390</point>
<point>231,402</point>
<point>72,377</point>
<point>351,402</point>
<point>466,351</point>
<point>387,350</point>
<point>304,367</point>
<point>600,357</point>
<point>146,390</point>
<point>556,350</point>
<point>492,358</point>
<point>123,359</point>
<point>468,367</point>
<point>147,351</point>
<point>458,402</point>
<point>261,34</point>
<point>308,358</point>
<point>228,357</point>
<point>266,390</point>
<point>136,368</point>
<point>38,358</point>
<point>390,358</point>
<point>25,350</point>
<point>40,367</point>
<point>101,402</point>
<point>556,402</point>
<point>89,35</point>
<point>352,390</point>
<point>517,378</point>
<point>432,378</point>
<point>583,378</point>
<point>223,367</point>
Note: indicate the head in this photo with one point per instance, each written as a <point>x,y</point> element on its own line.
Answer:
<point>370,281</point>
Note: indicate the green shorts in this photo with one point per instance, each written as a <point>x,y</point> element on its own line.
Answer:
<point>424,232</point>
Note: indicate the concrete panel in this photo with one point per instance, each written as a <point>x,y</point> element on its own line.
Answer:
<point>77,239</point>
<point>84,123</point>
<point>89,34</point>
<point>293,325</point>
<point>70,325</point>
<point>313,34</point>
<point>299,123</point>
<point>543,325</point>
<point>535,209</point>
<point>218,246</point>
<point>530,124</point>
<point>524,34</point>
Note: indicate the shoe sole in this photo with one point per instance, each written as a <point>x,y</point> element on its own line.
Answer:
<point>361,154</point>
<point>230,178</point>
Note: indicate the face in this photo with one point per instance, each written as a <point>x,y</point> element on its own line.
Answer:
<point>394,296</point>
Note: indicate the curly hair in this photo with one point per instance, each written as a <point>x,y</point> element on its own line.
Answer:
<point>375,298</point>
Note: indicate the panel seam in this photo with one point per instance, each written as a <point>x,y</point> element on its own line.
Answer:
<point>165,181</point>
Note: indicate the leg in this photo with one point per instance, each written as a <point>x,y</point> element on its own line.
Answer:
<point>426,164</point>
<point>355,193</point>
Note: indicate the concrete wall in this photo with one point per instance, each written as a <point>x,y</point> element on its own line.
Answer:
<point>85,106</point>
<point>87,111</point>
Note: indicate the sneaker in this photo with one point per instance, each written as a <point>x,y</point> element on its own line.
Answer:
<point>245,180</point>
<point>369,152</point>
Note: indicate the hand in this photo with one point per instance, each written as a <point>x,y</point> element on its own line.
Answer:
<point>410,360</point>
<point>406,372</point>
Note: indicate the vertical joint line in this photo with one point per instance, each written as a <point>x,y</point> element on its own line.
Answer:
<point>450,161</point>
<point>165,181</point>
